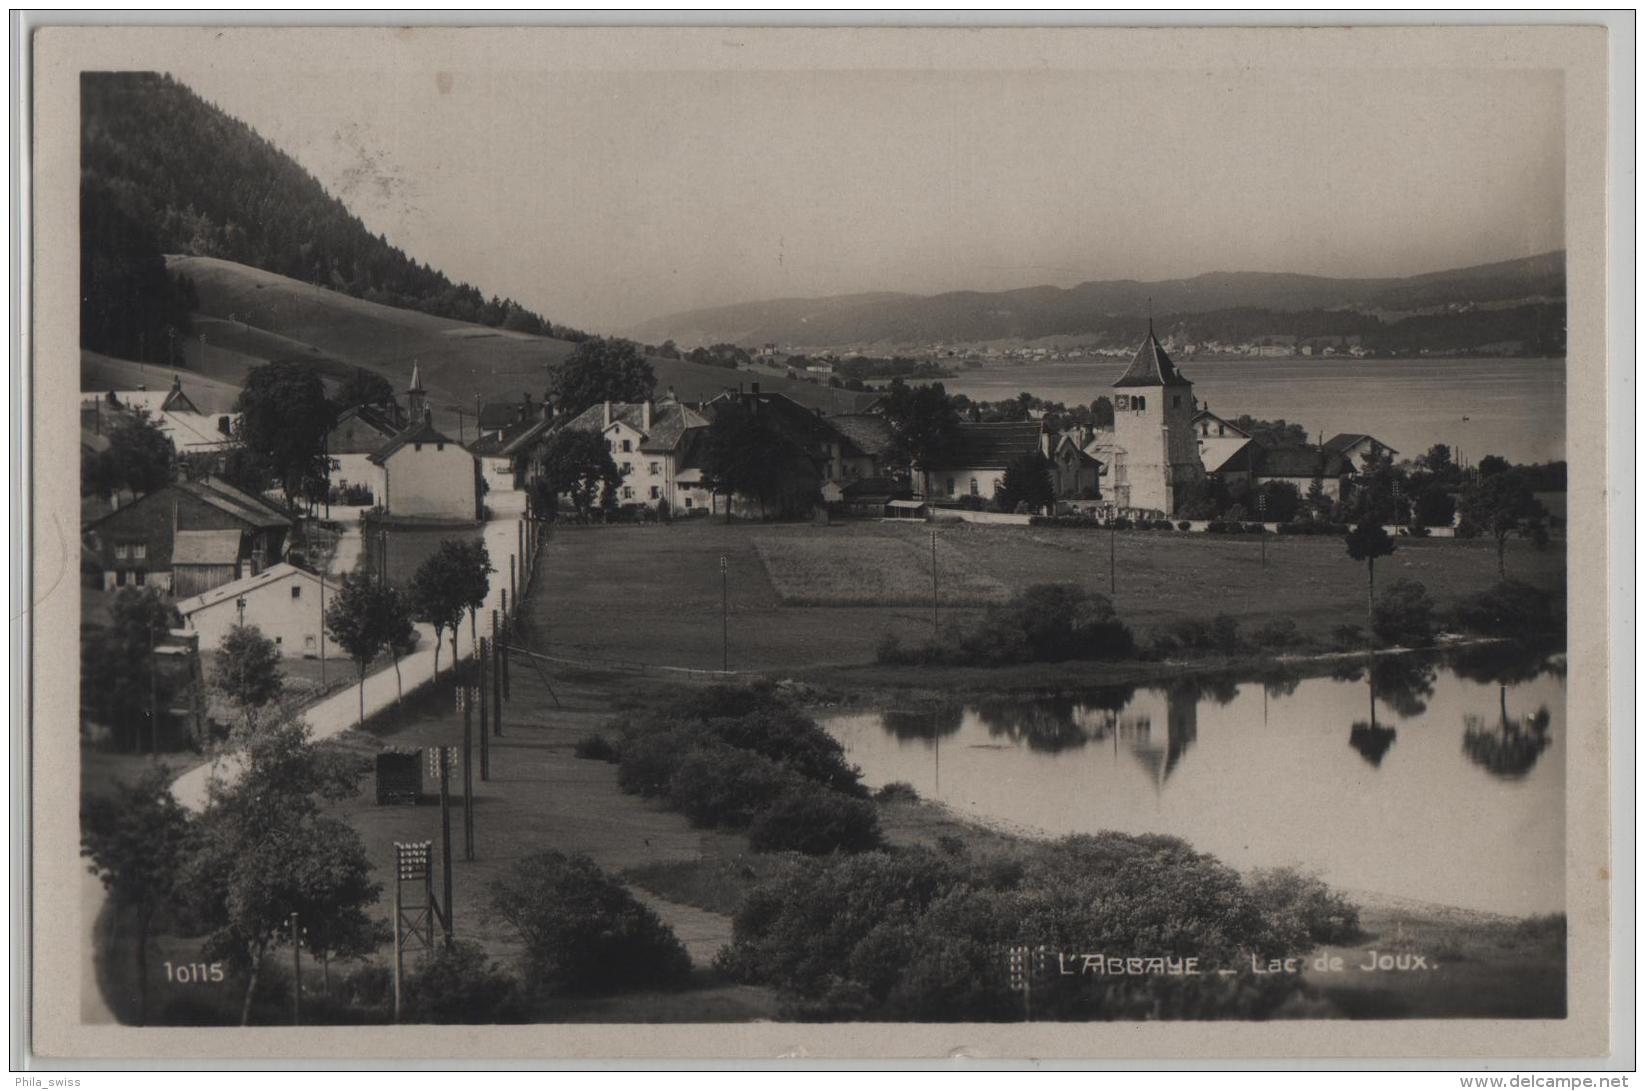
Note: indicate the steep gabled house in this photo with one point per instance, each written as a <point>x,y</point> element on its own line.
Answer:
<point>1219,440</point>
<point>138,544</point>
<point>428,475</point>
<point>359,433</point>
<point>1359,449</point>
<point>648,442</point>
<point>977,465</point>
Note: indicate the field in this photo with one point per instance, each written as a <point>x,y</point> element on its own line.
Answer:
<point>865,571</point>
<point>652,594</point>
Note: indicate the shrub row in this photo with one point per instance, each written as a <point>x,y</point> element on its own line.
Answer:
<point>922,935</point>
<point>743,758</point>
<point>1047,623</point>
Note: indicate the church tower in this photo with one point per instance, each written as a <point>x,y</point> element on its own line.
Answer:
<point>1156,457</point>
<point>416,397</point>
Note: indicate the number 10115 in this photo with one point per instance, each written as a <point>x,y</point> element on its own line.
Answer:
<point>193,973</point>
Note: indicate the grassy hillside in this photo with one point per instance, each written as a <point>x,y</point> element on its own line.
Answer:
<point>249,316</point>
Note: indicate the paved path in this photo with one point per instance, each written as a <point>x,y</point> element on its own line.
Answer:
<point>341,711</point>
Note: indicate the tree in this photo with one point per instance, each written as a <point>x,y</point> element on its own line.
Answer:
<point>248,670</point>
<point>751,453</point>
<point>578,465</point>
<point>399,633</point>
<point>599,370</point>
<point>439,595</point>
<point>1404,614</point>
<point>130,305</point>
<point>284,418</point>
<point>475,564</point>
<point>357,618</point>
<point>1501,504</point>
<point>121,685</point>
<point>363,387</point>
<point>1491,465</point>
<point>1027,480</point>
<point>924,423</point>
<point>1366,542</point>
<point>146,456</point>
<point>136,837</point>
<point>266,851</point>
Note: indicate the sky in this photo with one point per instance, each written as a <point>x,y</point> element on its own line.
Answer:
<point>605,198</point>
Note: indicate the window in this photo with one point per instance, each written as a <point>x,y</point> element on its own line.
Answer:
<point>1121,401</point>
<point>628,468</point>
<point>139,551</point>
<point>296,590</point>
<point>308,643</point>
<point>951,486</point>
<point>137,576</point>
<point>688,504</point>
<point>1139,403</point>
<point>439,446</point>
<point>628,445</point>
<point>976,490</point>
<point>628,493</point>
<point>121,551</point>
<point>279,640</point>
<point>655,492</point>
<point>656,468</point>
<point>119,577</point>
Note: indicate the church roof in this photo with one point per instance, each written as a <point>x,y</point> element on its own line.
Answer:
<point>992,445</point>
<point>1152,367</point>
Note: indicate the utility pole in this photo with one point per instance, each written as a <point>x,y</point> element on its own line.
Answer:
<point>1262,512</point>
<point>322,576</point>
<point>496,681</point>
<point>725,617</point>
<point>296,974</point>
<point>468,774</point>
<point>445,836</point>
<point>934,628</point>
<point>1113,531</point>
<point>154,696</point>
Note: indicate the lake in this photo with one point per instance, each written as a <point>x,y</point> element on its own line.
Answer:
<point>1510,407</point>
<point>1443,782</point>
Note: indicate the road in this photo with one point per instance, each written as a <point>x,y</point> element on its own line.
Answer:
<point>341,711</point>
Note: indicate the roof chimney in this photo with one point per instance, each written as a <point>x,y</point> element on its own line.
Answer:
<point>607,415</point>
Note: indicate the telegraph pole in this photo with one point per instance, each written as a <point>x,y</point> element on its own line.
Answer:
<point>296,974</point>
<point>445,836</point>
<point>468,777</point>
<point>725,617</point>
<point>1262,512</point>
<point>1113,531</point>
<point>934,629</point>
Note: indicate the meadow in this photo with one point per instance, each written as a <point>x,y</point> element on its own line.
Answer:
<point>652,594</point>
<point>866,571</point>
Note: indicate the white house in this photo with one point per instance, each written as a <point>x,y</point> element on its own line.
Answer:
<point>650,442</point>
<point>1219,440</point>
<point>427,474</point>
<point>286,602</point>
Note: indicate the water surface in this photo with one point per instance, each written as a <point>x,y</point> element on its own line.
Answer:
<point>1444,783</point>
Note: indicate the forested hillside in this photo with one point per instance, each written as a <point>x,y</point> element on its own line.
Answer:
<point>163,171</point>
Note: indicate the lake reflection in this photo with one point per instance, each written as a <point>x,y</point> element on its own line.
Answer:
<point>1443,782</point>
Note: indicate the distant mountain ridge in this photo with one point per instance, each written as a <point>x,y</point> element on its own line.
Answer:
<point>893,319</point>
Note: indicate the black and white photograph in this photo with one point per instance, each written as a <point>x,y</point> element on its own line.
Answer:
<point>878,530</point>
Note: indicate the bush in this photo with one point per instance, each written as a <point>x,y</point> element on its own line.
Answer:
<point>1511,609</point>
<point>1279,632</point>
<point>1404,614</point>
<point>815,821</point>
<point>583,931</point>
<point>918,935</point>
<point>646,760</point>
<point>596,748</point>
<point>1303,907</point>
<point>1310,527</point>
<point>898,791</point>
<point>1348,636</point>
<point>719,785</point>
<point>461,984</point>
<point>1185,525</point>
